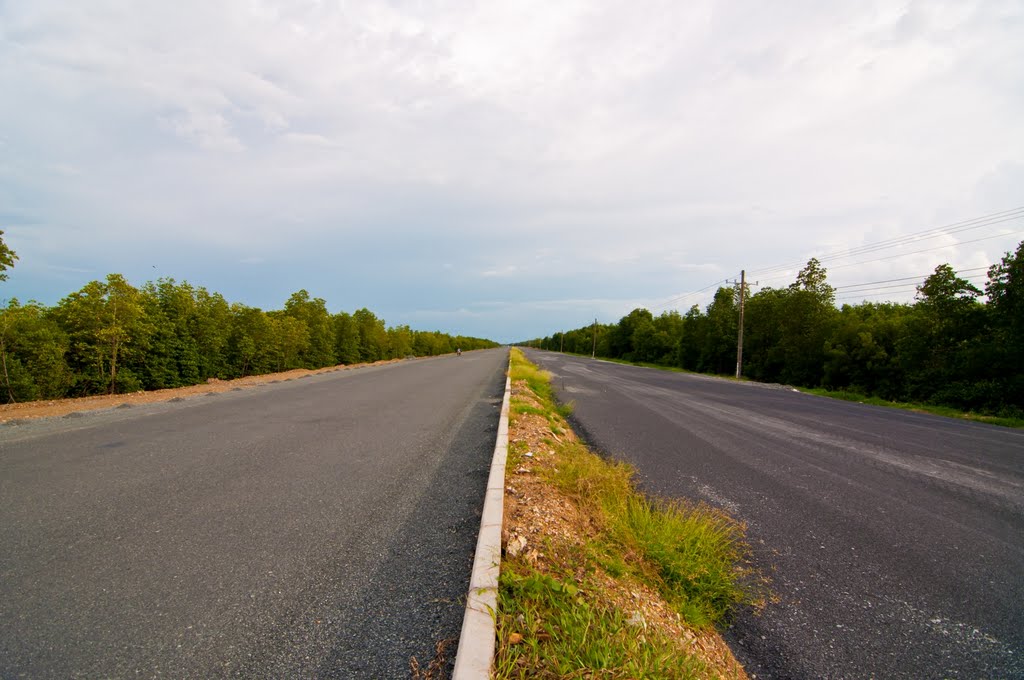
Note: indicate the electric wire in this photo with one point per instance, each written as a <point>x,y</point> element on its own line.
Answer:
<point>914,252</point>
<point>908,278</point>
<point>886,244</point>
<point>897,289</point>
<point>684,296</point>
<point>956,227</point>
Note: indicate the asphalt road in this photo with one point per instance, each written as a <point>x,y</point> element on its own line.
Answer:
<point>321,527</point>
<point>895,540</point>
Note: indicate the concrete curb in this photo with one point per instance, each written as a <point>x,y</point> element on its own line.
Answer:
<point>476,643</point>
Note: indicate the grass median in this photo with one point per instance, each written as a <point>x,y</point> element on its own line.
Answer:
<point>947,411</point>
<point>599,580</point>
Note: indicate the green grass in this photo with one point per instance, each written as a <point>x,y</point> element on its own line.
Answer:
<point>565,636</point>
<point>539,381</point>
<point>516,453</point>
<point>695,557</point>
<point>947,411</point>
<point>520,408</point>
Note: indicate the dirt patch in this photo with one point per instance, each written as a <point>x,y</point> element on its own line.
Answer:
<point>63,407</point>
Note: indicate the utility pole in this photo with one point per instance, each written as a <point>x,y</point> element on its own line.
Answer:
<point>739,337</point>
<point>593,352</point>
<point>561,342</point>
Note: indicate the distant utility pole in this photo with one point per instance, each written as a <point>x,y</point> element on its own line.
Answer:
<point>561,341</point>
<point>739,338</point>
<point>593,352</point>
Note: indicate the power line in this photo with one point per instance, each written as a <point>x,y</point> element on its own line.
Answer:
<point>896,289</point>
<point>908,278</point>
<point>926,250</point>
<point>966,225</point>
<point>895,242</point>
<point>688,295</point>
<point>887,246</point>
<point>914,252</point>
<point>898,286</point>
<point>867,295</point>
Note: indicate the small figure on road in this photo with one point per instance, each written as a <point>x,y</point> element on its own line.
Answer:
<point>458,351</point>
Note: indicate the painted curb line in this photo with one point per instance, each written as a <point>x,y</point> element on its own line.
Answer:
<point>476,642</point>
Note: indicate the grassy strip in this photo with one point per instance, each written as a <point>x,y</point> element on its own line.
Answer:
<point>560,616</point>
<point>947,411</point>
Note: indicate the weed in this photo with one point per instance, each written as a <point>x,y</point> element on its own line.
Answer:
<point>516,451</point>
<point>690,554</point>
<point>695,551</point>
<point>539,381</point>
<point>434,669</point>
<point>521,409</point>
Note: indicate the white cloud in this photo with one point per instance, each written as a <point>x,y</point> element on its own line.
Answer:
<point>505,271</point>
<point>661,142</point>
<point>211,131</point>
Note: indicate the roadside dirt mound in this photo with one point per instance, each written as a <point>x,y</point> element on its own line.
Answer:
<point>60,407</point>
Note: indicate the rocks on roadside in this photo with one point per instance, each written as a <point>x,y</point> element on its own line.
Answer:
<point>515,546</point>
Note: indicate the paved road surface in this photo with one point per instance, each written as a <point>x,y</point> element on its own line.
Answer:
<point>321,527</point>
<point>895,540</point>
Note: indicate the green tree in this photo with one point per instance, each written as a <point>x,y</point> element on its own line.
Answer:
<point>807,317</point>
<point>949,295</point>
<point>400,339</point>
<point>431,343</point>
<point>209,328</point>
<point>764,333</point>
<point>320,349</point>
<point>718,341</point>
<point>813,279</point>
<point>32,350</point>
<point>632,328</point>
<point>862,353</point>
<point>1005,287</point>
<point>939,351</point>
<point>171,357</point>
<point>1005,291</point>
<point>7,257</point>
<point>106,325</point>
<point>289,340</point>
<point>249,346</point>
<point>373,338</point>
<point>689,342</point>
<point>346,338</point>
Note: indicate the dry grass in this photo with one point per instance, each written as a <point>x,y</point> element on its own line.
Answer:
<point>435,670</point>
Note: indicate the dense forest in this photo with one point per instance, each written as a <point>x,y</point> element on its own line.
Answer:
<point>949,348</point>
<point>113,337</point>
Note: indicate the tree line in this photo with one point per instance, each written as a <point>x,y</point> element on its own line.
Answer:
<point>948,348</point>
<point>113,337</point>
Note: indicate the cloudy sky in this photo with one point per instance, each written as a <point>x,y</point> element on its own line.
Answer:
<point>505,169</point>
